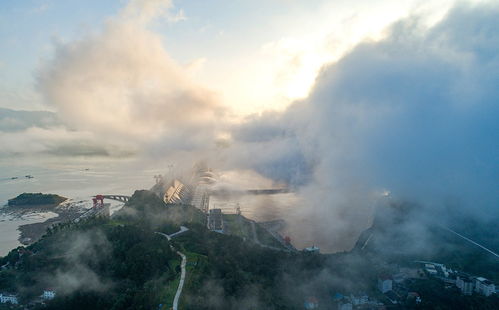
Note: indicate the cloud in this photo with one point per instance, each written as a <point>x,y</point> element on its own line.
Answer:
<point>122,85</point>
<point>414,113</point>
<point>12,120</point>
<point>59,141</point>
<point>86,250</point>
<point>144,11</point>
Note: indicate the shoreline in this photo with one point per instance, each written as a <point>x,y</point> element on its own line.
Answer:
<point>66,210</point>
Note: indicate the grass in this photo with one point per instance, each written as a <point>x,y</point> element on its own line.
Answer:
<point>266,238</point>
<point>238,226</point>
<point>196,265</point>
<point>168,293</point>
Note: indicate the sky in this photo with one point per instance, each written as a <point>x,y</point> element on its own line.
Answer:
<point>350,104</point>
<point>257,55</point>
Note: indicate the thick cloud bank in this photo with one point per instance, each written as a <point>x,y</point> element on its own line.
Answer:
<point>415,114</point>
<point>121,84</point>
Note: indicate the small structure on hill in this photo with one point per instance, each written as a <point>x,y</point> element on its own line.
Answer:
<point>385,283</point>
<point>312,249</point>
<point>215,220</point>
<point>48,294</point>
<point>8,298</point>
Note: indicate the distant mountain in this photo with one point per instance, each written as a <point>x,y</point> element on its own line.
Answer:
<point>406,232</point>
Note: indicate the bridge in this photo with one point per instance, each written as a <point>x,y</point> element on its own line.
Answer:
<point>263,191</point>
<point>270,191</point>
<point>121,198</point>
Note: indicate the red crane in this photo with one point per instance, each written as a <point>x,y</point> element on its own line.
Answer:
<point>98,201</point>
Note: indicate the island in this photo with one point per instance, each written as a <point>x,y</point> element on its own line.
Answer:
<point>36,199</point>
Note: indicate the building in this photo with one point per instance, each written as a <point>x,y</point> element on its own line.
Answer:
<point>360,300</point>
<point>48,294</point>
<point>484,286</point>
<point>430,269</point>
<point>312,249</point>
<point>465,284</point>
<point>345,306</point>
<point>8,298</point>
<point>215,220</point>
<point>385,283</point>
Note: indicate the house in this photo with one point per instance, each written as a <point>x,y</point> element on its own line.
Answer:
<point>465,284</point>
<point>345,306</point>
<point>312,249</point>
<point>361,300</point>
<point>8,298</point>
<point>430,269</point>
<point>48,294</point>
<point>484,286</point>
<point>385,283</point>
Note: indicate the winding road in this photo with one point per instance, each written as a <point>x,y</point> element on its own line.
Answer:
<point>182,265</point>
<point>182,280</point>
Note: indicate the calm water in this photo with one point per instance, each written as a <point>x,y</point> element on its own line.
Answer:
<point>82,179</point>
<point>9,225</point>
<point>79,180</point>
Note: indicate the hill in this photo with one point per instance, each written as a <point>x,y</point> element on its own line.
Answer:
<point>123,263</point>
<point>404,232</point>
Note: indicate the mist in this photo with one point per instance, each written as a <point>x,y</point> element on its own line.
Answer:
<point>413,115</point>
<point>409,117</point>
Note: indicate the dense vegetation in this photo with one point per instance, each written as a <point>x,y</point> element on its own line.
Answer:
<point>32,199</point>
<point>121,263</point>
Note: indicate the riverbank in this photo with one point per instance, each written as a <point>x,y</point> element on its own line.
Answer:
<point>66,211</point>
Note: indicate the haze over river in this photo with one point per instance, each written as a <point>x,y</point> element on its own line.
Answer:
<point>82,179</point>
<point>77,181</point>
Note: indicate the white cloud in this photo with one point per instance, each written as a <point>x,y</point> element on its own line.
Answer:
<point>414,113</point>
<point>122,85</point>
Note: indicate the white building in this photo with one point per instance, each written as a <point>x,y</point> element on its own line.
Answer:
<point>430,268</point>
<point>385,284</point>
<point>464,284</point>
<point>360,300</point>
<point>345,306</point>
<point>484,286</point>
<point>48,294</point>
<point>8,298</point>
<point>312,249</point>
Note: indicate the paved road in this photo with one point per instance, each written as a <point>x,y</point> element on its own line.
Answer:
<point>181,283</point>
<point>182,265</point>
